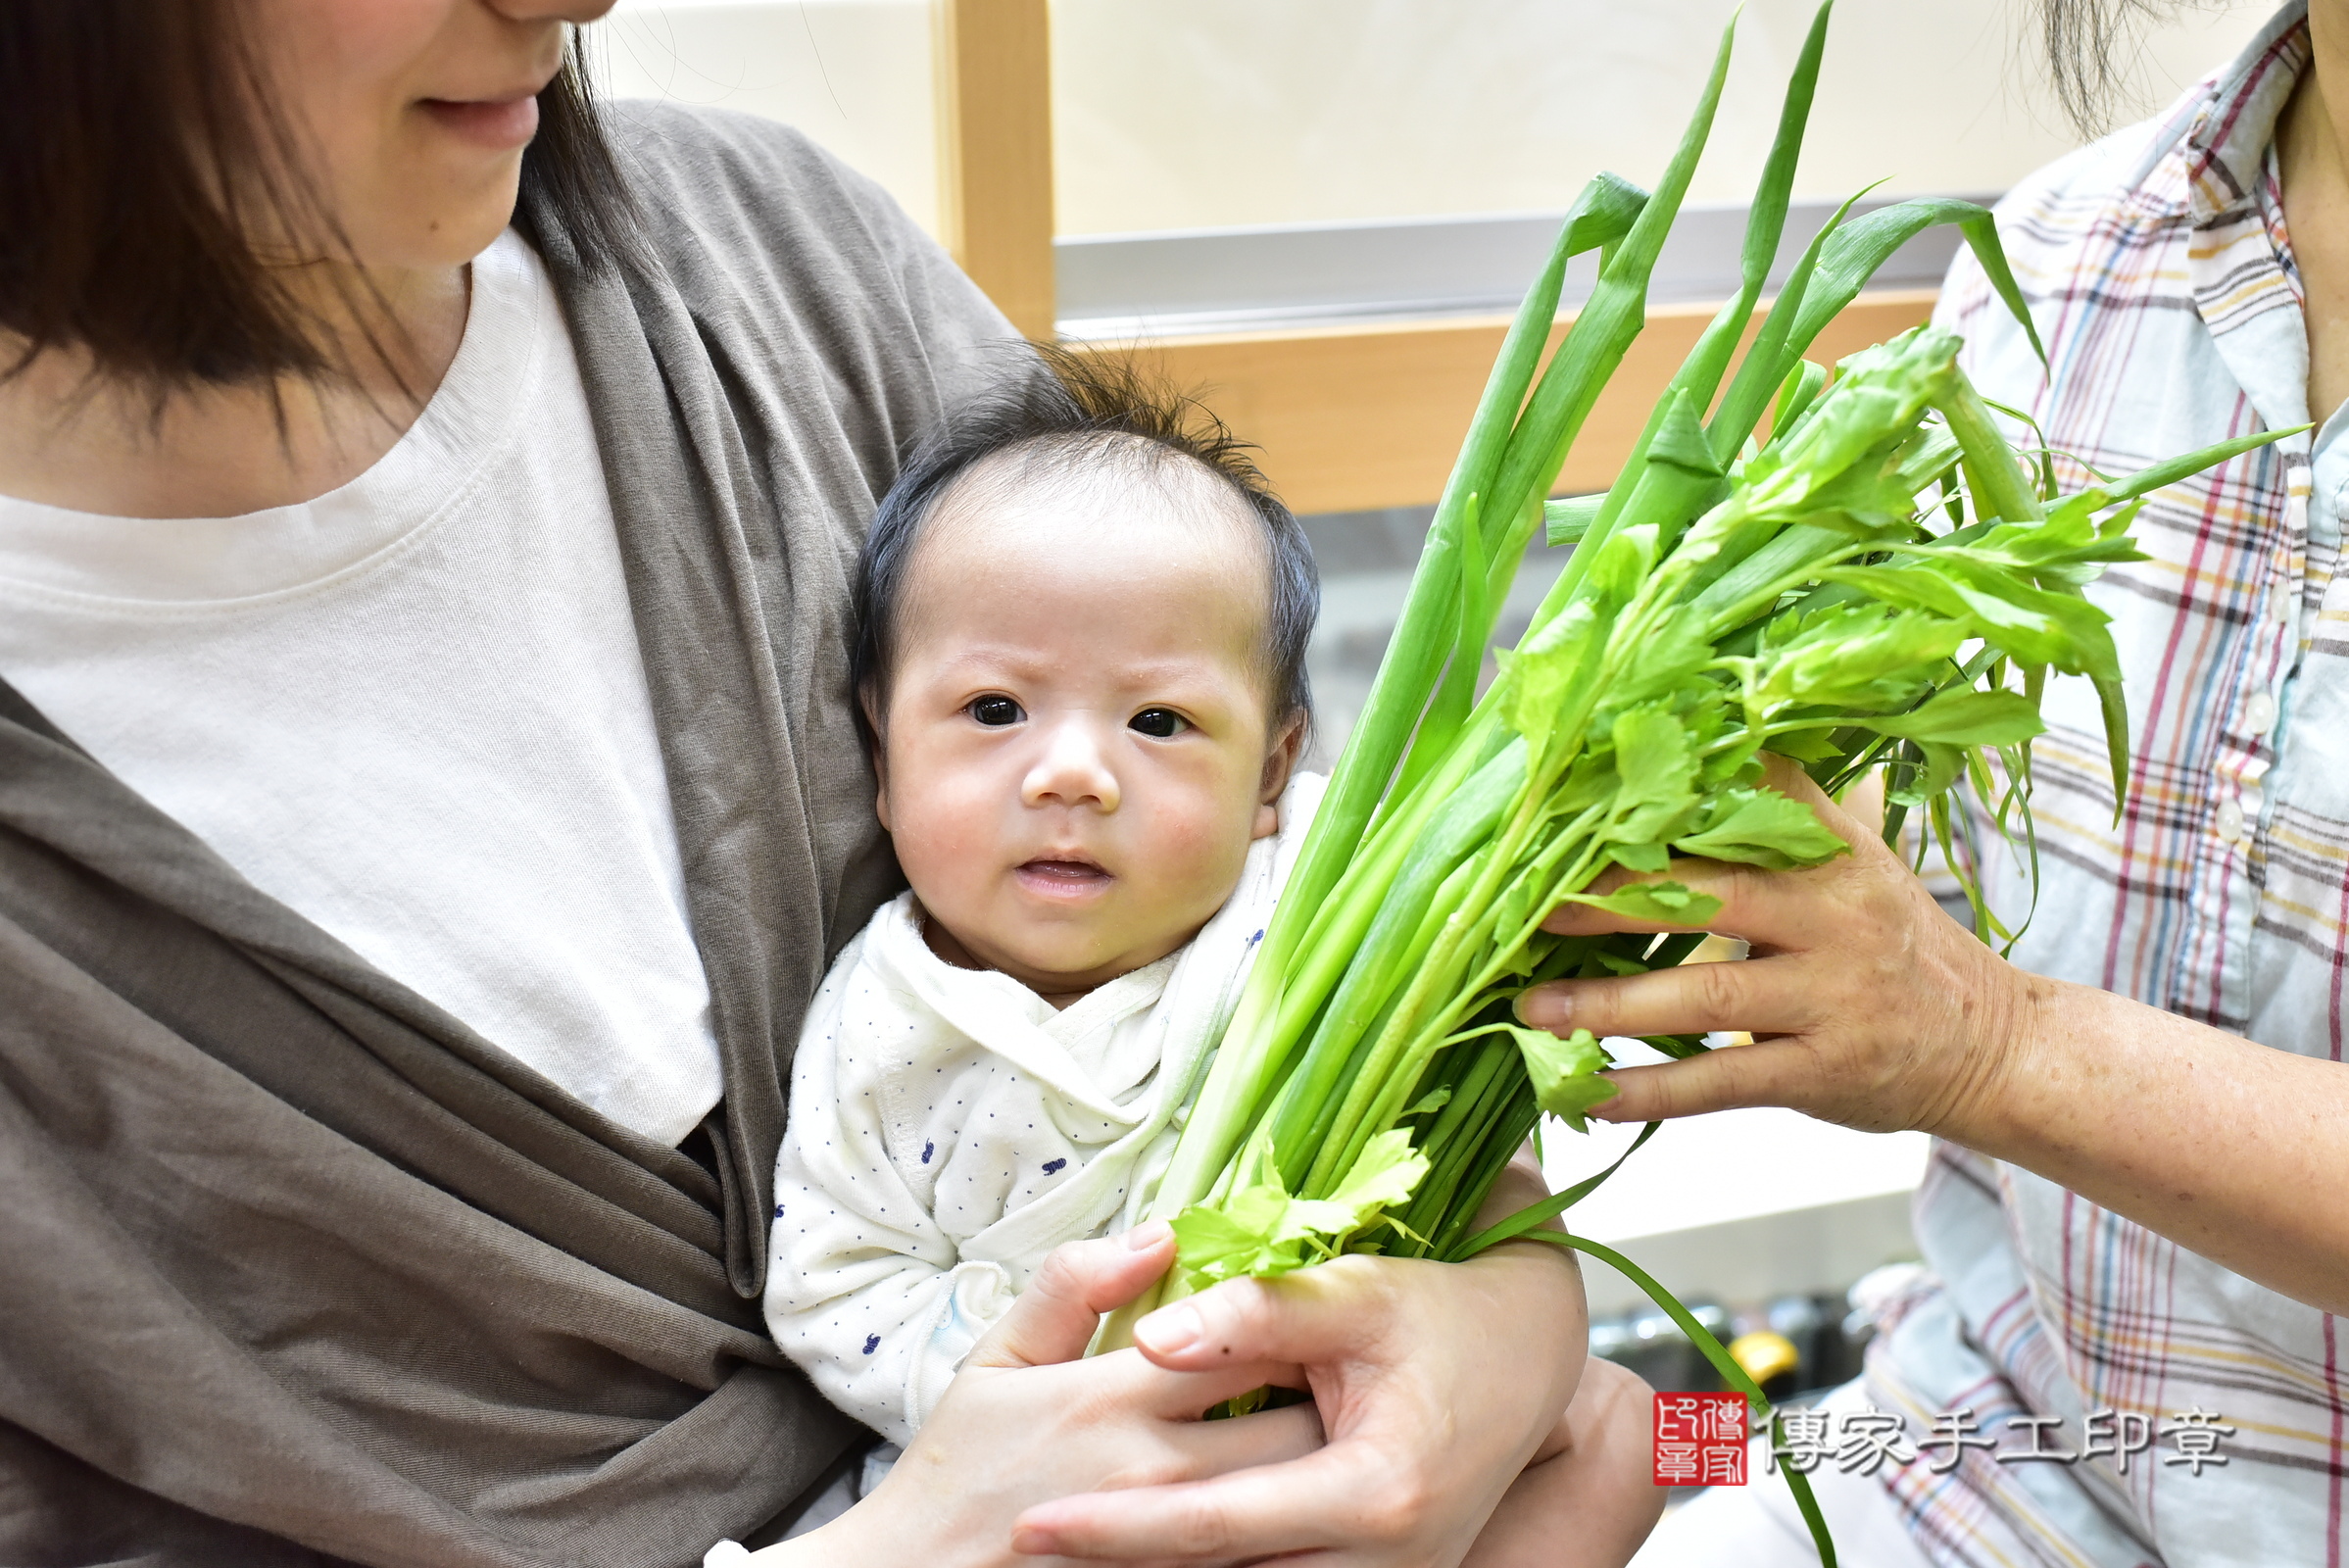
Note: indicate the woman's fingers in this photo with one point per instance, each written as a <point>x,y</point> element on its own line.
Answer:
<point>1760,996</point>
<point>1773,1072</point>
<point>1251,1320</point>
<point>1188,1396</point>
<point>1263,1510</point>
<point>1768,908</point>
<point>1269,1437</point>
<point>1426,1427</point>
<point>1054,1317</point>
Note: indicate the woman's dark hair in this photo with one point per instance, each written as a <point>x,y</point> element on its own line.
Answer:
<point>2084,41</point>
<point>1062,413</point>
<point>139,152</point>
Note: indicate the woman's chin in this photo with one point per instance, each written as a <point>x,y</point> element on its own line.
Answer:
<point>450,219</point>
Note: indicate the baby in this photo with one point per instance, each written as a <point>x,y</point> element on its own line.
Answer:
<point>1082,623</point>
<point>1082,628</point>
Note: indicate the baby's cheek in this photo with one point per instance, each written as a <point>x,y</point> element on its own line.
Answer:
<point>1197,849</point>
<point>942,838</point>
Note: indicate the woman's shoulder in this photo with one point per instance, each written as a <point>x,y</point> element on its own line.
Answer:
<point>712,162</point>
<point>2128,187</point>
<point>2105,229</point>
<point>715,183</point>
<point>2098,231</point>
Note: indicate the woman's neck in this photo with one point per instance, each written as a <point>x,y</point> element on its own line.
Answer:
<point>2311,141</point>
<point>67,439</point>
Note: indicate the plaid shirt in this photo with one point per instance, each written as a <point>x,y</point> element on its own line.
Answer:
<point>2160,276</point>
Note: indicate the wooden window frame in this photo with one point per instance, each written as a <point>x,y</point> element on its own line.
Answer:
<point>1346,418</point>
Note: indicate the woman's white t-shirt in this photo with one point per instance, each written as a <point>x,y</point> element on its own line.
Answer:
<point>414,711</point>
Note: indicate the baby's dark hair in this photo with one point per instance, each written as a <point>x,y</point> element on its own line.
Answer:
<point>1062,411</point>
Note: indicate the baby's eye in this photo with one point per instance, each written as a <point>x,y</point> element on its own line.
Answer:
<point>995,711</point>
<point>1159,722</point>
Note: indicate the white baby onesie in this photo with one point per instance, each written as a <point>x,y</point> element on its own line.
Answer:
<point>948,1129</point>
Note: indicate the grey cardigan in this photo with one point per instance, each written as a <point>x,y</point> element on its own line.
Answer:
<point>294,1268</point>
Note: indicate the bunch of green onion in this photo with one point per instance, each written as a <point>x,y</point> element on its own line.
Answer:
<point>1878,583</point>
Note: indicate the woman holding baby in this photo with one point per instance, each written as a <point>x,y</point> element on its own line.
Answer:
<point>430,794</point>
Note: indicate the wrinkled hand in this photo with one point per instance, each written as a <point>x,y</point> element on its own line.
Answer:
<point>1437,1383</point>
<point>1868,1004</point>
<point>1026,1420</point>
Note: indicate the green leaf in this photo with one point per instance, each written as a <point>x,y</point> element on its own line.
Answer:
<point>1641,856</point>
<point>1262,1230</point>
<point>1966,719</point>
<point>1622,566</point>
<point>1872,498</point>
<point>1927,456</point>
<point>1680,440</point>
<point>1434,1100</point>
<point>1853,253</point>
<point>1548,669</point>
<point>1658,771</point>
<point>1944,764</point>
<point>1880,396</point>
<point>1609,321</point>
<point>1765,233</point>
<point>2146,480</point>
<point>1382,1176</point>
<point>1762,827</point>
<point>1795,394</point>
<point>1909,588</point>
<point>1662,665</point>
<point>1806,746</point>
<point>1657,902</point>
<point>2113,702</point>
<point>1564,1072</point>
<point>2035,625</point>
<point>1857,656</point>
<point>1212,1246</point>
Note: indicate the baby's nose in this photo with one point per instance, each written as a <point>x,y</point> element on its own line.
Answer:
<point>1072,769</point>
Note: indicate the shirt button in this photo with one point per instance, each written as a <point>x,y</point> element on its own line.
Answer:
<point>2286,602</point>
<point>2258,713</point>
<point>2230,822</point>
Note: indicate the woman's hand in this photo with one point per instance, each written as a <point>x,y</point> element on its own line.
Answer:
<point>1873,1009</point>
<point>1437,1380</point>
<point>1869,1005</point>
<point>1027,1420</point>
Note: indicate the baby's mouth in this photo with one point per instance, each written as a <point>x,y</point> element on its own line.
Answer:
<point>1063,877</point>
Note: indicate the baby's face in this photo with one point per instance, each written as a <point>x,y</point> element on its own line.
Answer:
<point>1078,744</point>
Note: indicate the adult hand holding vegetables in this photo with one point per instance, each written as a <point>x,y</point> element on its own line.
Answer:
<point>1399,1479</point>
<point>1872,1007</point>
<point>1430,1430</point>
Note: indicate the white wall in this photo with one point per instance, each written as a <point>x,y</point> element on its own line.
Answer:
<point>1185,114</point>
<point>853,73</point>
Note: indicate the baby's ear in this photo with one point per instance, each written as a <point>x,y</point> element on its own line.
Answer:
<point>878,750</point>
<point>1279,762</point>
